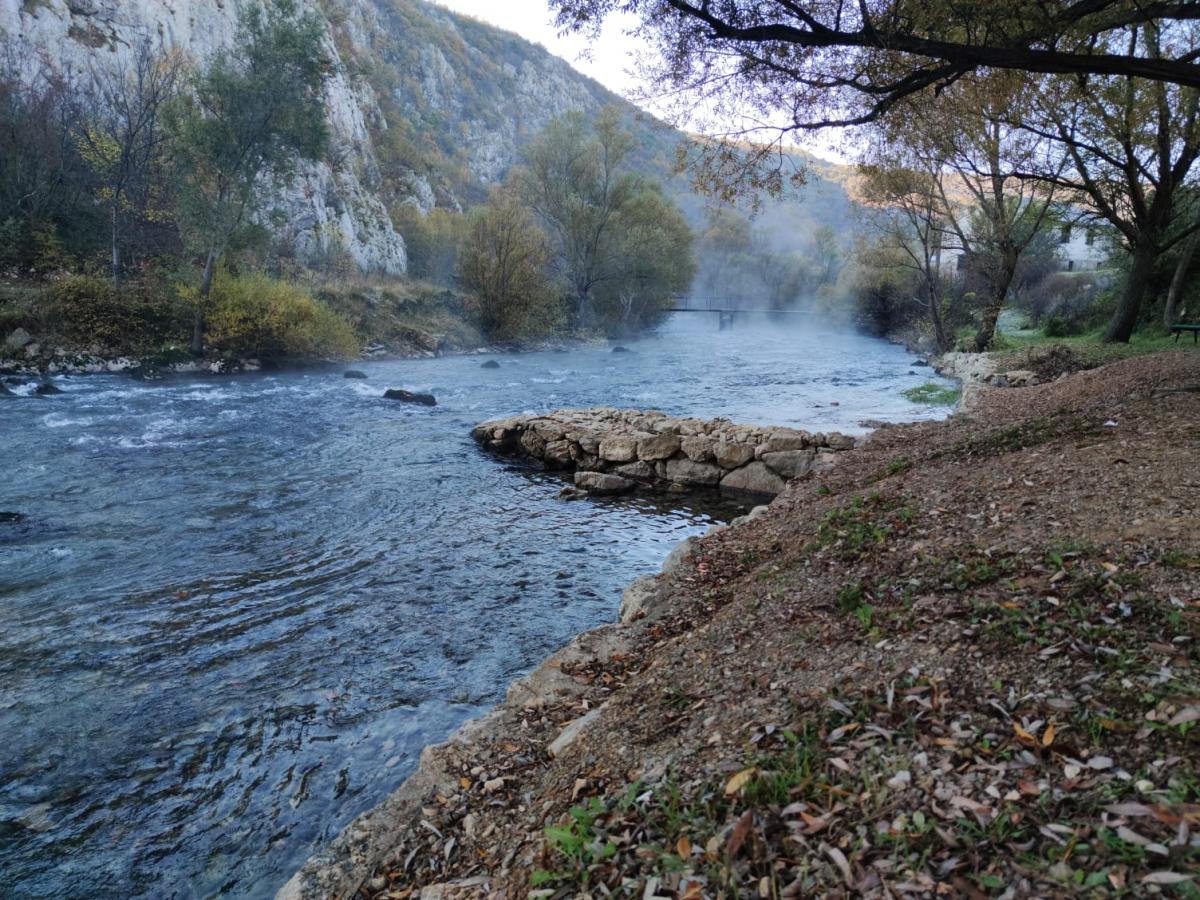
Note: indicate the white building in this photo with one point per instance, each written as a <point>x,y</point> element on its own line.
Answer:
<point>1081,248</point>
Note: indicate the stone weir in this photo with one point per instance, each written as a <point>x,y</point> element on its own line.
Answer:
<point>615,451</point>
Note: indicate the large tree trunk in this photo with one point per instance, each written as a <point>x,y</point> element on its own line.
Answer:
<point>1120,329</point>
<point>1171,310</point>
<point>935,315</point>
<point>991,314</point>
<point>206,282</point>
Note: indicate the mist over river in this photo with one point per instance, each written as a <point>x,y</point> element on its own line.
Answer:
<point>235,609</point>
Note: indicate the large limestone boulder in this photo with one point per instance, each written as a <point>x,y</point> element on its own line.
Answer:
<point>779,441</point>
<point>639,471</point>
<point>790,463</point>
<point>558,454</point>
<point>533,443</point>
<point>619,448</point>
<point>639,598</point>
<point>836,441</point>
<point>730,455</point>
<point>662,446</point>
<point>685,471</point>
<point>604,484</point>
<point>697,449</point>
<point>754,478</point>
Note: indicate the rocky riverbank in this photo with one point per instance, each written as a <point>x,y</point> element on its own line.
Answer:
<point>22,355</point>
<point>963,661</point>
<point>614,451</point>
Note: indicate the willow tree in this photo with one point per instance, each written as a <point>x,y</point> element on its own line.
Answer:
<point>253,112</point>
<point>601,216</point>
<point>504,264</point>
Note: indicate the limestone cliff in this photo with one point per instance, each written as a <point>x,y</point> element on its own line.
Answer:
<point>425,107</point>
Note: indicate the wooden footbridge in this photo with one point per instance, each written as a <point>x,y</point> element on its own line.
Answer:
<point>727,309</point>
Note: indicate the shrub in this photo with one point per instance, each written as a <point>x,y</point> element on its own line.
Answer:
<point>87,310</point>
<point>253,316</point>
<point>1058,326</point>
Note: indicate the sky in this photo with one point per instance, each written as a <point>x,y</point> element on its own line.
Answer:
<point>611,57</point>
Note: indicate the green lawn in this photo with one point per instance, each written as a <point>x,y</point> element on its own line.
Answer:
<point>1015,350</point>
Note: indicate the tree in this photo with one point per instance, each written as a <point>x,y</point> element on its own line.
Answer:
<point>905,195</point>
<point>504,263</point>
<point>123,139</point>
<point>1131,144</point>
<point>1179,278</point>
<point>601,216</point>
<point>830,62</point>
<point>46,186</point>
<point>656,262</point>
<point>433,241</point>
<point>254,111</point>
<point>1001,211</point>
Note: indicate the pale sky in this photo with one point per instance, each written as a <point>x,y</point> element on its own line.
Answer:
<point>611,57</point>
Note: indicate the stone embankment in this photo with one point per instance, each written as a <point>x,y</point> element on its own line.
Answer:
<point>614,451</point>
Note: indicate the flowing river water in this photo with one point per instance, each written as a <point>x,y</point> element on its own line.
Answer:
<point>233,610</point>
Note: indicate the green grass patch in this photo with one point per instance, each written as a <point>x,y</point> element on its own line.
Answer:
<point>933,394</point>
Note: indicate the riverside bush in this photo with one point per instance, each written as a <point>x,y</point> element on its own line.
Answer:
<point>88,310</point>
<point>253,316</point>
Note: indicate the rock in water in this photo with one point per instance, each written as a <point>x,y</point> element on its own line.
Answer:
<point>490,364</point>
<point>410,397</point>
<point>11,517</point>
<point>620,349</point>
<point>46,389</point>
<point>5,392</point>
<point>600,483</point>
<point>354,373</point>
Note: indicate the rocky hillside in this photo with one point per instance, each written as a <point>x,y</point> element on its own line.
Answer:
<point>424,106</point>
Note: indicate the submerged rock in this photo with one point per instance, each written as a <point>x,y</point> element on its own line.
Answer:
<point>410,397</point>
<point>490,364</point>
<point>354,373</point>
<point>5,392</point>
<point>11,517</point>
<point>620,349</point>
<point>46,389</point>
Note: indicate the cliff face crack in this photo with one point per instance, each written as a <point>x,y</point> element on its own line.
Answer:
<point>614,451</point>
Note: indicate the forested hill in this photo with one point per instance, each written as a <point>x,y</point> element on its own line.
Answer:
<point>428,108</point>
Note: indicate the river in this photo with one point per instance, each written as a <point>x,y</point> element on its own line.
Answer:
<point>235,609</point>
